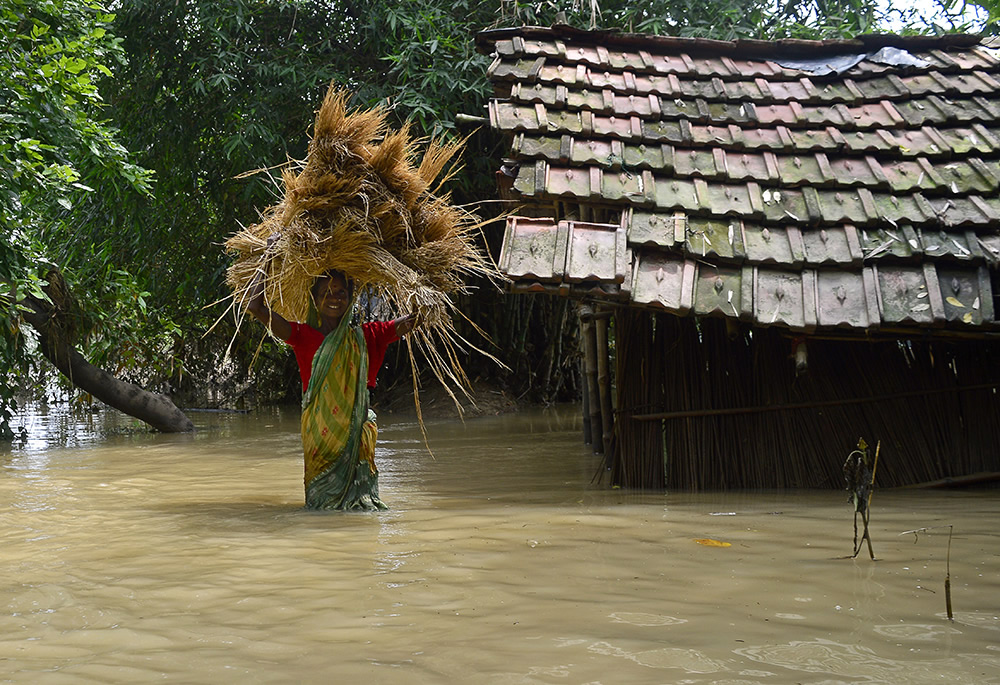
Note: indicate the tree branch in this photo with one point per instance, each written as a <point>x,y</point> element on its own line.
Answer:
<point>156,410</point>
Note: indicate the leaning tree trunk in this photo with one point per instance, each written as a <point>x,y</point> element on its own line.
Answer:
<point>155,409</point>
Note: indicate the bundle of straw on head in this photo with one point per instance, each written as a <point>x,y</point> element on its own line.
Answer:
<point>361,205</point>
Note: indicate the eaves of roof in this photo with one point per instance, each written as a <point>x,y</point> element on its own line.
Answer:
<point>486,42</point>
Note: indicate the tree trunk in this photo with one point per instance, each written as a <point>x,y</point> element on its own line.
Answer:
<point>155,409</point>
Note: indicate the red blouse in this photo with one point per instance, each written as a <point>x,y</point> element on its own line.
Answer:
<point>305,340</point>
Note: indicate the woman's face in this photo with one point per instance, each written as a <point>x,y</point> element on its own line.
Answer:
<point>332,298</point>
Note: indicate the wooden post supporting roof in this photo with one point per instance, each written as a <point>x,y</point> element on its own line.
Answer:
<point>604,381</point>
<point>588,331</point>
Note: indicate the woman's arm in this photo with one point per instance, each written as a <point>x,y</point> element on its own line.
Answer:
<point>257,306</point>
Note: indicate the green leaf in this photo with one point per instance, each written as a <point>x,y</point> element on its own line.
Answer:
<point>74,65</point>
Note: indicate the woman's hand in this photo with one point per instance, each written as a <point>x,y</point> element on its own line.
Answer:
<point>405,324</point>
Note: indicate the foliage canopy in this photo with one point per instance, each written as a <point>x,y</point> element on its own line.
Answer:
<point>56,149</point>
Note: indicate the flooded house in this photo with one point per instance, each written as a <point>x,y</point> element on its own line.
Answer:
<point>777,248</point>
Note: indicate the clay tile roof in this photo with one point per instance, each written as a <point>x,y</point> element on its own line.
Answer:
<point>838,185</point>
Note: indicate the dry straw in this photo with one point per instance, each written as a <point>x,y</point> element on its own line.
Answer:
<point>361,204</point>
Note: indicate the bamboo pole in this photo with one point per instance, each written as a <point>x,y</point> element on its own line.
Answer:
<point>590,361</point>
<point>604,381</point>
<point>588,437</point>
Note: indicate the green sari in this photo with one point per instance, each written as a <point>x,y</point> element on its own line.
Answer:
<point>338,427</point>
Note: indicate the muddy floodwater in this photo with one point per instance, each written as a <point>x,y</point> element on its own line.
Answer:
<point>135,558</point>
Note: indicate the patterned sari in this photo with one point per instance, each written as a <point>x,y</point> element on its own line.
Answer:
<point>338,427</point>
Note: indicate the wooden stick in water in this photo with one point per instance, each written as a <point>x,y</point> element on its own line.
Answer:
<point>947,577</point>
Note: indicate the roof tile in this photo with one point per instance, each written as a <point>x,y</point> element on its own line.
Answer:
<point>962,298</point>
<point>659,279</point>
<point>842,299</point>
<point>780,298</point>
<point>879,243</point>
<point>715,238</point>
<point>596,252</point>
<point>904,298</point>
<point>719,290</point>
<point>653,229</point>
<point>530,250</point>
<point>766,245</point>
<point>831,245</point>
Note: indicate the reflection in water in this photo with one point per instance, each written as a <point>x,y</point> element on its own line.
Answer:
<point>643,619</point>
<point>131,557</point>
<point>916,631</point>
<point>687,660</point>
<point>855,662</point>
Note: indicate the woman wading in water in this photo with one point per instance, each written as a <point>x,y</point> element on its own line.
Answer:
<point>361,202</point>
<point>338,362</point>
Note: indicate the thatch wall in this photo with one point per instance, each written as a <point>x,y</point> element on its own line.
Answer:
<point>930,423</point>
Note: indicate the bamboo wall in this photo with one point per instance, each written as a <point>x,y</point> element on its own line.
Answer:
<point>928,431</point>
